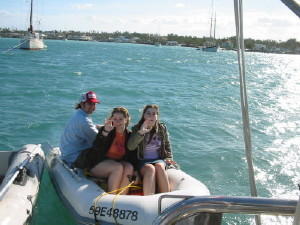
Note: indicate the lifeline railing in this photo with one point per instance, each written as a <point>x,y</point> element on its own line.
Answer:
<point>293,5</point>
<point>224,204</point>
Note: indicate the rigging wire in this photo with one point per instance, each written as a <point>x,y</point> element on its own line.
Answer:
<point>14,47</point>
<point>238,9</point>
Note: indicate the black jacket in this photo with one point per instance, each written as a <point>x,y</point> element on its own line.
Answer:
<point>92,156</point>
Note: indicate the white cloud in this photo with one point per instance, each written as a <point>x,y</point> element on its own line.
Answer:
<point>82,6</point>
<point>179,5</point>
<point>270,26</point>
<point>195,22</point>
<point>5,13</point>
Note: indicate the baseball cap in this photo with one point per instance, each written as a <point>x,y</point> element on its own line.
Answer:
<point>89,96</point>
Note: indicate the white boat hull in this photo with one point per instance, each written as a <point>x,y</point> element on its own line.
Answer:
<point>32,42</point>
<point>78,194</point>
<point>18,199</point>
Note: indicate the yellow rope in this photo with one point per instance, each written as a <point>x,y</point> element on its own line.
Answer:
<point>119,191</point>
<point>115,198</point>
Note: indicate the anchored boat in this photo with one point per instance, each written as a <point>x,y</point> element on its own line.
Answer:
<point>210,45</point>
<point>32,40</point>
<point>89,203</point>
<point>20,177</point>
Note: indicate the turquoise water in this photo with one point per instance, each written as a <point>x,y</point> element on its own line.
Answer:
<point>198,94</point>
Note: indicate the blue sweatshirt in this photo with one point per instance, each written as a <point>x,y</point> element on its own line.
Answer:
<point>79,134</point>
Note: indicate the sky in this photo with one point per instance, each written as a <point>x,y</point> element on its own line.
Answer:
<point>263,19</point>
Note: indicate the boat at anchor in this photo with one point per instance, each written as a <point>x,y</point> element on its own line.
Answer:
<point>210,45</point>
<point>32,40</point>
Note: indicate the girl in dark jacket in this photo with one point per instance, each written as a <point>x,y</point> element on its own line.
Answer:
<point>109,156</point>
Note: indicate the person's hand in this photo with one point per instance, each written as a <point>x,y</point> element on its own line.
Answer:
<point>145,128</point>
<point>170,161</point>
<point>108,126</point>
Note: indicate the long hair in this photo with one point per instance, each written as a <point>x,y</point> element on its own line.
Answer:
<point>123,111</point>
<point>78,106</point>
<point>141,121</point>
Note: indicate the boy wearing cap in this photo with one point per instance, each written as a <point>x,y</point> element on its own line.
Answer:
<point>80,131</point>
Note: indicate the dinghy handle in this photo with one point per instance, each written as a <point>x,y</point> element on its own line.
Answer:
<point>13,177</point>
<point>18,169</point>
<point>184,197</point>
<point>22,177</point>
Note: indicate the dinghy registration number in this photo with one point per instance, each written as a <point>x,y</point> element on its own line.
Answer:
<point>116,213</point>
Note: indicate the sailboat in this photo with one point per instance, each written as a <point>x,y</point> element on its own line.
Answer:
<point>32,40</point>
<point>210,45</point>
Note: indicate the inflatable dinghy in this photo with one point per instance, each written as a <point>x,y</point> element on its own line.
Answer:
<point>20,177</point>
<point>89,203</point>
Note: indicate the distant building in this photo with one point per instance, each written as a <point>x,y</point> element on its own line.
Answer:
<point>60,37</point>
<point>122,39</point>
<point>172,43</point>
<point>227,45</point>
<point>260,47</point>
<point>80,38</point>
<point>14,35</point>
<point>276,50</point>
<point>135,39</point>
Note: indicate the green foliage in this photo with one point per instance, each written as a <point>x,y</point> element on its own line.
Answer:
<point>147,38</point>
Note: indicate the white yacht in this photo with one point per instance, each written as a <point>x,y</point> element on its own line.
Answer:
<point>32,40</point>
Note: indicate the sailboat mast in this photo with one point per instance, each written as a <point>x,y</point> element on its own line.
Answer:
<point>30,26</point>
<point>215,21</point>
<point>211,20</point>
<point>210,30</point>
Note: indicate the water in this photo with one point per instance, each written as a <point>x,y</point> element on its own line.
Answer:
<point>198,93</point>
